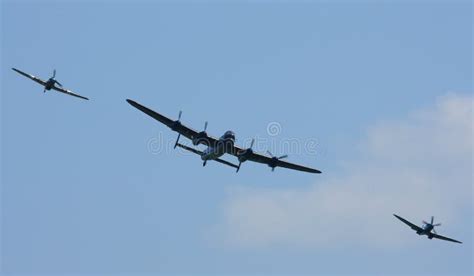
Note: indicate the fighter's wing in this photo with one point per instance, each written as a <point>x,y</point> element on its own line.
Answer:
<point>69,92</point>
<point>272,162</point>
<point>38,80</point>
<point>444,238</point>
<point>412,226</point>
<point>178,127</point>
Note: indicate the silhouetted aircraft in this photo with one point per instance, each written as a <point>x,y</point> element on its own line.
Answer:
<point>50,84</point>
<point>216,147</point>
<point>427,229</point>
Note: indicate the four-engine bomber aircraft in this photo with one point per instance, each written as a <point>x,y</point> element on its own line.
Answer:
<point>426,229</point>
<point>216,147</point>
<point>50,84</point>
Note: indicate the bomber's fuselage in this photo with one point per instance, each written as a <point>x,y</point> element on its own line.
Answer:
<point>224,145</point>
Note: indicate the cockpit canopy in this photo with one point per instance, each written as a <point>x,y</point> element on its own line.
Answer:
<point>229,135</point>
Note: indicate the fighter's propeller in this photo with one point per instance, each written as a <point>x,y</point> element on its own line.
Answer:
<point>431,223</point>
<point>55,81</point>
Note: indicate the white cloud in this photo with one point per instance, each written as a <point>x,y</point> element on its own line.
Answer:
<point>415,167</point>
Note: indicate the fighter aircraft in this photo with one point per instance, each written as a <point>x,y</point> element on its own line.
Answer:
<point>427,229</point>
<point>50,84</point>
<point>216,147</point>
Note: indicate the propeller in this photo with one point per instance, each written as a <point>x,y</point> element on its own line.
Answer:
<point>201,136</point>
<point>177,122</point>
<point>278,158</point>
<point>55,81</point>
<point>431,223</point>
<point>175,126</point>
<point>244,155</point>
<point>275,159</point>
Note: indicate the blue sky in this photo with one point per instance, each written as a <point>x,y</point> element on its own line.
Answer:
<point>385,90</point>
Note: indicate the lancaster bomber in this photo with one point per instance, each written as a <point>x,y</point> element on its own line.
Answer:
<point>50,84</point>
<point>216,147</point>
<point>427,229</point>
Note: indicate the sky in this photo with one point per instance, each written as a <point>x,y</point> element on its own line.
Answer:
<point>377,95</point>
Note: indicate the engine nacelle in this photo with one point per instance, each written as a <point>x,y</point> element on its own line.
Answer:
<point>175,125</point>
<point>244,156</point>
<point>273,163</point>
<point>200,137</point>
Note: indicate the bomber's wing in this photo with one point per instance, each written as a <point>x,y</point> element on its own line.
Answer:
<point>272,162</point>
<point>174,125</point>
<point>412,226</point>
<point>38,80</point>
<point>444,238</point>
<point>69,92</point>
